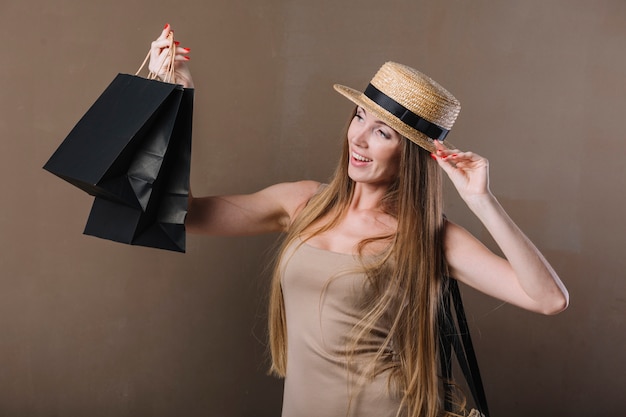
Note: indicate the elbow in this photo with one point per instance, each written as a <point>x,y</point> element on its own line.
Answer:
<point>556,305</point>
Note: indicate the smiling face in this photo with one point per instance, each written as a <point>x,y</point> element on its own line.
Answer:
<point>374,150</point>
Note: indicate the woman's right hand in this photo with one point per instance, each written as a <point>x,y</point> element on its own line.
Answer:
<point>160,58</point>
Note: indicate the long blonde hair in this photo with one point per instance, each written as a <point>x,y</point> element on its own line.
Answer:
<point>406,281</point>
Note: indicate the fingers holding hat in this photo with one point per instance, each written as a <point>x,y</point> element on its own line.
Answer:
<point>468,171</point>
<point>444,154</point>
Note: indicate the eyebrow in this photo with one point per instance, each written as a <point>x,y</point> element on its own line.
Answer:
<point>380,122</point>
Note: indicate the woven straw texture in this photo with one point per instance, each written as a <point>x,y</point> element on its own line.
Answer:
<point>415,91</point>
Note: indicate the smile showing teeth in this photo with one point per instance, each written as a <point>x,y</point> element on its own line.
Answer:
<point>360,158</point>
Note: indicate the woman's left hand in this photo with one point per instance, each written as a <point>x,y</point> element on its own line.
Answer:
<point>468,171</point>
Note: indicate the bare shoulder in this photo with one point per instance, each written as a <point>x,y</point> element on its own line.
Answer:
<point>300,190</point>
<point>455,234</point>
<point>464,251</point>
<point>293,192</point>
<point>292,196</point>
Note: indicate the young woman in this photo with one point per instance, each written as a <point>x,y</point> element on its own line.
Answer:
<point>358,282</point>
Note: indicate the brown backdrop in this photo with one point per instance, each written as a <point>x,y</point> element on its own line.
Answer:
<point>90,327</point>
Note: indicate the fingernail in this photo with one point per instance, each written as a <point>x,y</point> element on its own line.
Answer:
<point>187,57</point>
<point>187,49</point>
<point>432,155</point>
<point>176,43</point>
<point>454,155</point>
<point>166,26</point>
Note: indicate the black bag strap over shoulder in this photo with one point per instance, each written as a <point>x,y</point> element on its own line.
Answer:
<point>455,334</point>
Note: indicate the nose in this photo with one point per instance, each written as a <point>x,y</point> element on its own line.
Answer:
<point>358,136</point>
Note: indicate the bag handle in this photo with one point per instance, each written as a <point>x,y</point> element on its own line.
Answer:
<point>169,73</point>
<point>459,339</point>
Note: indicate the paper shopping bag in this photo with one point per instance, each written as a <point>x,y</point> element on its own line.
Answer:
<point>161,223</point>
<point>132,151</point>
<point>117,148</point>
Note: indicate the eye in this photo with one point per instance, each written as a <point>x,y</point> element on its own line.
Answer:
<point>383,134</point>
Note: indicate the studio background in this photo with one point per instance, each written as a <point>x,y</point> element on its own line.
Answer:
<point>92,327</point>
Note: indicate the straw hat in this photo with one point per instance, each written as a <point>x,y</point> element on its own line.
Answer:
<point>409,102</point>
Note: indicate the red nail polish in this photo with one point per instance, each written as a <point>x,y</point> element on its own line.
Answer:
<point>187,58</point>
<point>166,26</point>
<point>432,155</point>
<point>187,49</point>
<point>176,43</point>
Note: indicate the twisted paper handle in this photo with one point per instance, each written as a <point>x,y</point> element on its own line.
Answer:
<point>169,73</point>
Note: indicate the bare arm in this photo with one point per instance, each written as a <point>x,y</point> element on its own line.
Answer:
<point>524,277</point>
<point>269,210</point>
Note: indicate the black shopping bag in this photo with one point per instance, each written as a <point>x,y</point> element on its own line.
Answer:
<point>132,151</point>
<point>117,148</point>
<point>161,223</point>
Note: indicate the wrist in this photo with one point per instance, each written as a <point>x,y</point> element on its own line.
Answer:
<point>482,203</point>
<point>185,82</point>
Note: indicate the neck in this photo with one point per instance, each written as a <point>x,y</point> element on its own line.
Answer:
<point>367,197</point>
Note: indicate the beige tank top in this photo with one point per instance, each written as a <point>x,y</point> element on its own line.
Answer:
<point>322,291</point>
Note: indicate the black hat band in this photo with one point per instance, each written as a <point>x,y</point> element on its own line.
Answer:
<point>405,115</point>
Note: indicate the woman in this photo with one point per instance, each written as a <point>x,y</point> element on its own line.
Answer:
<point>357,286</point>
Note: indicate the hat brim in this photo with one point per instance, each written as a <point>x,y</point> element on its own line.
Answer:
<point>408,132</point>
